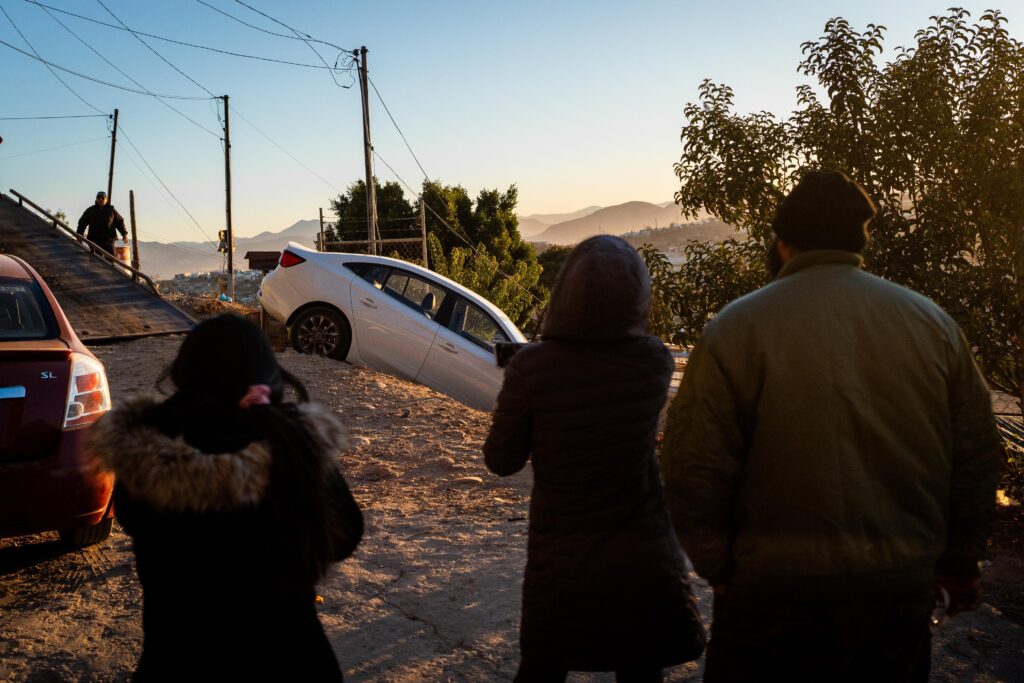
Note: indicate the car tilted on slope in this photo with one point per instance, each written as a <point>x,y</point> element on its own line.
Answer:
<point>51,389</point>
<point>391,315</point>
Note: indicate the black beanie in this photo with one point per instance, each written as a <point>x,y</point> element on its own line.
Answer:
<point>826,210</point>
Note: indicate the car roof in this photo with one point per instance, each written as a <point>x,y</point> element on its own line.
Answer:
<point>398,263</point>
<point>11,267</point>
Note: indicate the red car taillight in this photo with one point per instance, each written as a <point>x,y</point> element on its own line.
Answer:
<point>288,259</point>
<point>88,393</point>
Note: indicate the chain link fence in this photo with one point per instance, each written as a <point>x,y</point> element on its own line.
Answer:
<point>401,238</point>
<point>1005,404</point>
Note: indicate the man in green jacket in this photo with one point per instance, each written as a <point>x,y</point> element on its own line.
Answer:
<point>830,460</point>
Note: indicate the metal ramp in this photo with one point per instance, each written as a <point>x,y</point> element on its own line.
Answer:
<point>103,298</point>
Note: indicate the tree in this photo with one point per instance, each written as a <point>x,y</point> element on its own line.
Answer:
<point>478,245</point>
<point>936,137</point>
<point>350,211</point>
<point>551,260</point>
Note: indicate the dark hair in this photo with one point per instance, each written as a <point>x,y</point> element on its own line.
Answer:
<point>215,366</point>
<point>826,210</point>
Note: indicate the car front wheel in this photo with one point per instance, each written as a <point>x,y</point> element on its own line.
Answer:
<point>322,331</point>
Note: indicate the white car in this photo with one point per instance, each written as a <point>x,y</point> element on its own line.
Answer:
<point>391,315</point>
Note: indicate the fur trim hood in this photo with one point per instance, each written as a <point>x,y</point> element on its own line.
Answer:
<point>169,474</point>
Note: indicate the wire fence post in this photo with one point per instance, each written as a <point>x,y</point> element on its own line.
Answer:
<point>423,231</point>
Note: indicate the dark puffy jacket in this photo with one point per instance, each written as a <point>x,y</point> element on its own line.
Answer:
<point>103,222</point>
<point>220,602</point>
<point>606,586</point>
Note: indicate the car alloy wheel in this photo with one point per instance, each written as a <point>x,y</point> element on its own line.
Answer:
<point>323,332</point>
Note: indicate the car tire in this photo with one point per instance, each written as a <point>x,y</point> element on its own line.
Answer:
<point>87,535</point>
<point>321,331</point>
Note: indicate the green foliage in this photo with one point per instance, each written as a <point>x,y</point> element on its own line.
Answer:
<point>936,137</point>
<point>685,299</point>
<point>350,211</point>
<point>551,260</point>
<point>478,270</point>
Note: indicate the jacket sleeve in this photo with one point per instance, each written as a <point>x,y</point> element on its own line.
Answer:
<point>977,448</point>
<point>508,445</point>
<point>118,224</point>
<point>347,530</point>
<point>701,462</point>
<point>83,221</point>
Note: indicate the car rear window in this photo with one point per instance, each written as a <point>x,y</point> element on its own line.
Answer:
<point>24,312</point>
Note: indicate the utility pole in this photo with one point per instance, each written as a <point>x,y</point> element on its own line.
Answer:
<point>423,229</point>
<point>135,240</point>
<point>110,178</point>
<point>320,244</point>
<point>371,190</point>
<point>227,186</point>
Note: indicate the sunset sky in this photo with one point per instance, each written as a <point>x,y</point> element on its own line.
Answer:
<point>577,103</point>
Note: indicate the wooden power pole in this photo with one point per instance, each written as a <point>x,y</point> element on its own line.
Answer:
<point>320,244</point>
<point>423,229</point>
<point>135,239</point>
<point>227,186</point>
<point>371,190</point>
<point>113,147</point>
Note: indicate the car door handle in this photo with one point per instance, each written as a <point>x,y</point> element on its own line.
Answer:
<point>12,392</point>
<point>368,302</point>
<point>449,347</point>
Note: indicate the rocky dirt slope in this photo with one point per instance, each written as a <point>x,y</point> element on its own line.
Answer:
<point>431,595</point>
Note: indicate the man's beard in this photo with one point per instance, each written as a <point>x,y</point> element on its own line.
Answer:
<point>773,259</point>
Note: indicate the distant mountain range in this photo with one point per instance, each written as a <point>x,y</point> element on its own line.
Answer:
<point>169,259</point>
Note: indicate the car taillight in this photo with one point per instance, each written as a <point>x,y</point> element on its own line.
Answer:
<point>88,394</point>
<point>288,259</point>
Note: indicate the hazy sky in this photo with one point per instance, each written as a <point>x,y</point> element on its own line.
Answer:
<point>576,102</point>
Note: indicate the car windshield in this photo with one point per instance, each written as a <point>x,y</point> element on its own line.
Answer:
<point>22,314</point>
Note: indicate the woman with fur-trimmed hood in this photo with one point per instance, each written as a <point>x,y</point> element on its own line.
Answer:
<point>606,586</point>
<point>236,507</point>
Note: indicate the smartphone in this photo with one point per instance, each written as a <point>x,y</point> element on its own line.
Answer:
<point>503,352</point>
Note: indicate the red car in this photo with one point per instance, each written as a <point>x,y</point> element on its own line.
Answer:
<point>51,389</point>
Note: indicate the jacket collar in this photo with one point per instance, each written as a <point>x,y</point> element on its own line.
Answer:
<point>169,474</point>
<point>821,257</point>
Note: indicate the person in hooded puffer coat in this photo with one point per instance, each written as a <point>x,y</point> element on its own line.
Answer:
<point>236,507</point>
<point>606,585</point>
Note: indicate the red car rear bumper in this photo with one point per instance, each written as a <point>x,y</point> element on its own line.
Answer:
<point>54,493</point>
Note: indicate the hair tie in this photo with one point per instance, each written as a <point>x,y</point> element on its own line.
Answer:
<point>257,395</point>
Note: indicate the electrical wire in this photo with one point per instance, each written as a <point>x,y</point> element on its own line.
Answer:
<point>306,38</point>
<point>463,236</point>
<point>181,247</point>
<point>49,66</point>
<point>43,118</point>
<point>122,72</point>
<point>50,149</point>
<point>151,49</point>
<point>181,42</point>
<point>95,80</point>
<point>292,156</point>
<point>388,111</point>
<point>164,185</point>
<point>273,33</point>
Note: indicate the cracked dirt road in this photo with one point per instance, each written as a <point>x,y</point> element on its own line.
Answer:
<point>433,592</point>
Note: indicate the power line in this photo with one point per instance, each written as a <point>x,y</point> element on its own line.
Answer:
<point>42,118</point>
<point>180,42</point>
<point>93,79</point>
<point>302,36</point>
<point>49,66</point>
<point>463,236</point>
<point>151,49</point>
<point>121,71</point>
<point>50,149</point>
<point>293,157</point>
<point>407,146</point>
<point>164,185</point>
<point>273,33</point>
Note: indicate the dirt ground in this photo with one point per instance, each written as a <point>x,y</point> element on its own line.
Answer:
<point>433,592</point>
